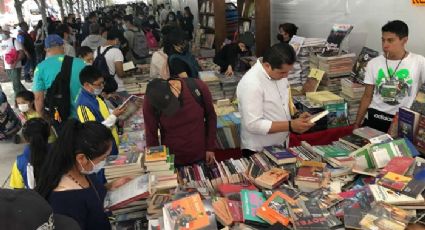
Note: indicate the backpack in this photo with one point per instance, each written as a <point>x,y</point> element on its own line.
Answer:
<point>190,60</point>
<point>12,56</point>
<point>151,40</point>
<point>194,90</point>
<point>100,64</point>
<point>58,100</point>
<point>140,45</point>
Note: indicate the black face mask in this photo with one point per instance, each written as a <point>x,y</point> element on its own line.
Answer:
<point>280,37</point>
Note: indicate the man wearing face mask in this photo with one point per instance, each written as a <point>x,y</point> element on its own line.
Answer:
<point>264,102</point>
<point>91,107</point>
<point>137,44</point>
<point>181,62</point>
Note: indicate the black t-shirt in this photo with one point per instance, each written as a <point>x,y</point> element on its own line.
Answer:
<point>178,66</point>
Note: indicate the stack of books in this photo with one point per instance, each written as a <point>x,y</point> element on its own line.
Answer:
<point>229,85</point>
<point>213,82</point>
<point>352,93</point>
<point>228,131</point>
<point>137,83</point>
<point>158,161</point>
<point>324,98</point>
<point>129,163</point>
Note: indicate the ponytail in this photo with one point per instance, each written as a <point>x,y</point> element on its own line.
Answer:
<point>91,138</point>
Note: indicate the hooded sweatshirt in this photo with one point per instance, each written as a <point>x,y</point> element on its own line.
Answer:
<point>93,41</point>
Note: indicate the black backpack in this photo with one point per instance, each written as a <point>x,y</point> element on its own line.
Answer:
<point>58,96</point>
<point>100,64</point>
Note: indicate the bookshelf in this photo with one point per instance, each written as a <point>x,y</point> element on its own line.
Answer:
<point>212,19</point>
<point>254,16</point>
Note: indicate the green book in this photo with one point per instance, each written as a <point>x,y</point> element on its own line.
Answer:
<point>251,201</point>
<point>338,115</point>
<point>382,153</point>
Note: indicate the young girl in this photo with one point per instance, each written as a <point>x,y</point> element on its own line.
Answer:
<point>9,122</point>
<point>26,168</point>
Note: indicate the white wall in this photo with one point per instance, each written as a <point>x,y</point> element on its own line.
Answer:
<point>314,18</point>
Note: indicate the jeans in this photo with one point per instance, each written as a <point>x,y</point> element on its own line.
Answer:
<point>15,76</point>
<point>29,65</point>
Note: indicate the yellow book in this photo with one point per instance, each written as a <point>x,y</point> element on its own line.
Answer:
<point>156,153</point>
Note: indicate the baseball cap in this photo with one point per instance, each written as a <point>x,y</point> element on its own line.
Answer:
<point>161,97</point>
<point>53,40</point>
<point>26,209</point>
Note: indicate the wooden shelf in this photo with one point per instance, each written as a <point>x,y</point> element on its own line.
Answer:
<point>219,21</point>
<point>208,14</point>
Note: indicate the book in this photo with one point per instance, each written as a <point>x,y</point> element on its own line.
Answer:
<point>408,121</point>
<point>338,33</point>
<point>359,68</point>
<point>386,195</point>
<point>398,165</point>
<point>272,178</point>
<point>394,181</point>
<point>128,66</point>
<point>156,153</point>
<point>354,141</point>
<point>296,42</point>
<point>279,155</point>
<point>251,202</point>
<point>275,209</point>
<point>414,188</point>
<point>420,136</point>
<point>367,132</point>
<point>419,102</point>
<point>313,80</point>
<point>222,211</point>
<point>338,115</point>
<point>318,116</point>
<point>135,189</point>
<point>381,154</point>
<point>235,208</point>
<point>309,178</point>
<point>188,213</point>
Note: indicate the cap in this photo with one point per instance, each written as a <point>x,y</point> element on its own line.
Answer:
<point>161,97</point>
<point>26,209</point>
<point>53,40</point>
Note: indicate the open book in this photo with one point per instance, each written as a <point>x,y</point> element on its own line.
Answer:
<point>134,190</point>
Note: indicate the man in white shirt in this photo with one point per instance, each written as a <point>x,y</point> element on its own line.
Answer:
<point>392,79</point>
<point>13,53</point>
<point>263,95</point>
<point>114,59</point>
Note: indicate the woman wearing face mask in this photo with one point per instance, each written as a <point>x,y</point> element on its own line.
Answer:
<point>91,107</point>
<point>67,178</point>
<point>181,62</point>
<point>152,25</point>
<point>172,20</point>
<point>286,31</point>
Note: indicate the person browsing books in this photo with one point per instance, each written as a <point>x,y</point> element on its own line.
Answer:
<point>263,94</point>
<point>286,32</point>
<point>67,178</point>
<point>392,79</point>
<point>182,110</point>
<point>91,107</point>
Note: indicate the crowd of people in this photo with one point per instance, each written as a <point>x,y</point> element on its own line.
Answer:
<point>69,117</point>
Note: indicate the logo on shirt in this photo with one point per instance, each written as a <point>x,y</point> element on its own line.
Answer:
<point>393,89</point>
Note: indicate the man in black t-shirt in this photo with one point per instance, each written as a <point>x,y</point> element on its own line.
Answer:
<point>25,39</point>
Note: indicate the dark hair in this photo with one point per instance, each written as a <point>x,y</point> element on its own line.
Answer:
<point>62,29</point>
<point>89,74</point>
<point>187,10</point>
<point>39,24</point>
<point>36,132</point>
<point>279,54</point>
<point>398,27</point>
<point>83,51</point>
<point>26,95</point>
<point>171,13</point>
<point>172,36</point>
<point>113,34</point>
<point>94,28</point>
<point>91,138</point>
<point>128,18</point>
<point>91,15</point>
<point>289,28</point>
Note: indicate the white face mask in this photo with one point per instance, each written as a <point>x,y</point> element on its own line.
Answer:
<point>96,167</point>
<point>23,107</point>
<point>97,91</point>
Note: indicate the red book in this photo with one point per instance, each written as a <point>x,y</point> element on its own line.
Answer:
<point>229,189</point>
<point>398,165</point>
<point>235,208</point>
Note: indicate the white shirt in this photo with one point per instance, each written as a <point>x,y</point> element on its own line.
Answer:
<point>113,55</point>
<point>262,100</point>
<point>392,93</point>
<point>6,46</point>
<point>159,65</point>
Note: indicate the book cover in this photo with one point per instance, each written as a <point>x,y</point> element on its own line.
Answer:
<point>408,121</point>
<point>419,102</point>
<point>275,209</point>
<point>156,153</point>
<point>136,189</point>
<point>130,158</point>
<point>251,202</point>
<point>279,154</point>
<point>311,222</point>
<point>420,137</point>
<point>187,213</point>
<point>359,68</point>
<point>398,165</point>
<point>338,115</point>
<point>235,208</point>
<point>222,212</point>
<point>394,181</point>
<point>389,196</point>
<point>354,141</point>
<point>382,154</point>
<point>414,188</point>
<point>338,33</point>
<point>272,178</point>
<point>367,132</point>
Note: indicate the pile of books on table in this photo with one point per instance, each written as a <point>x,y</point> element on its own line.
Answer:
<point>159,163</point>
<point>212,80</point>
<point>228,131</point>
